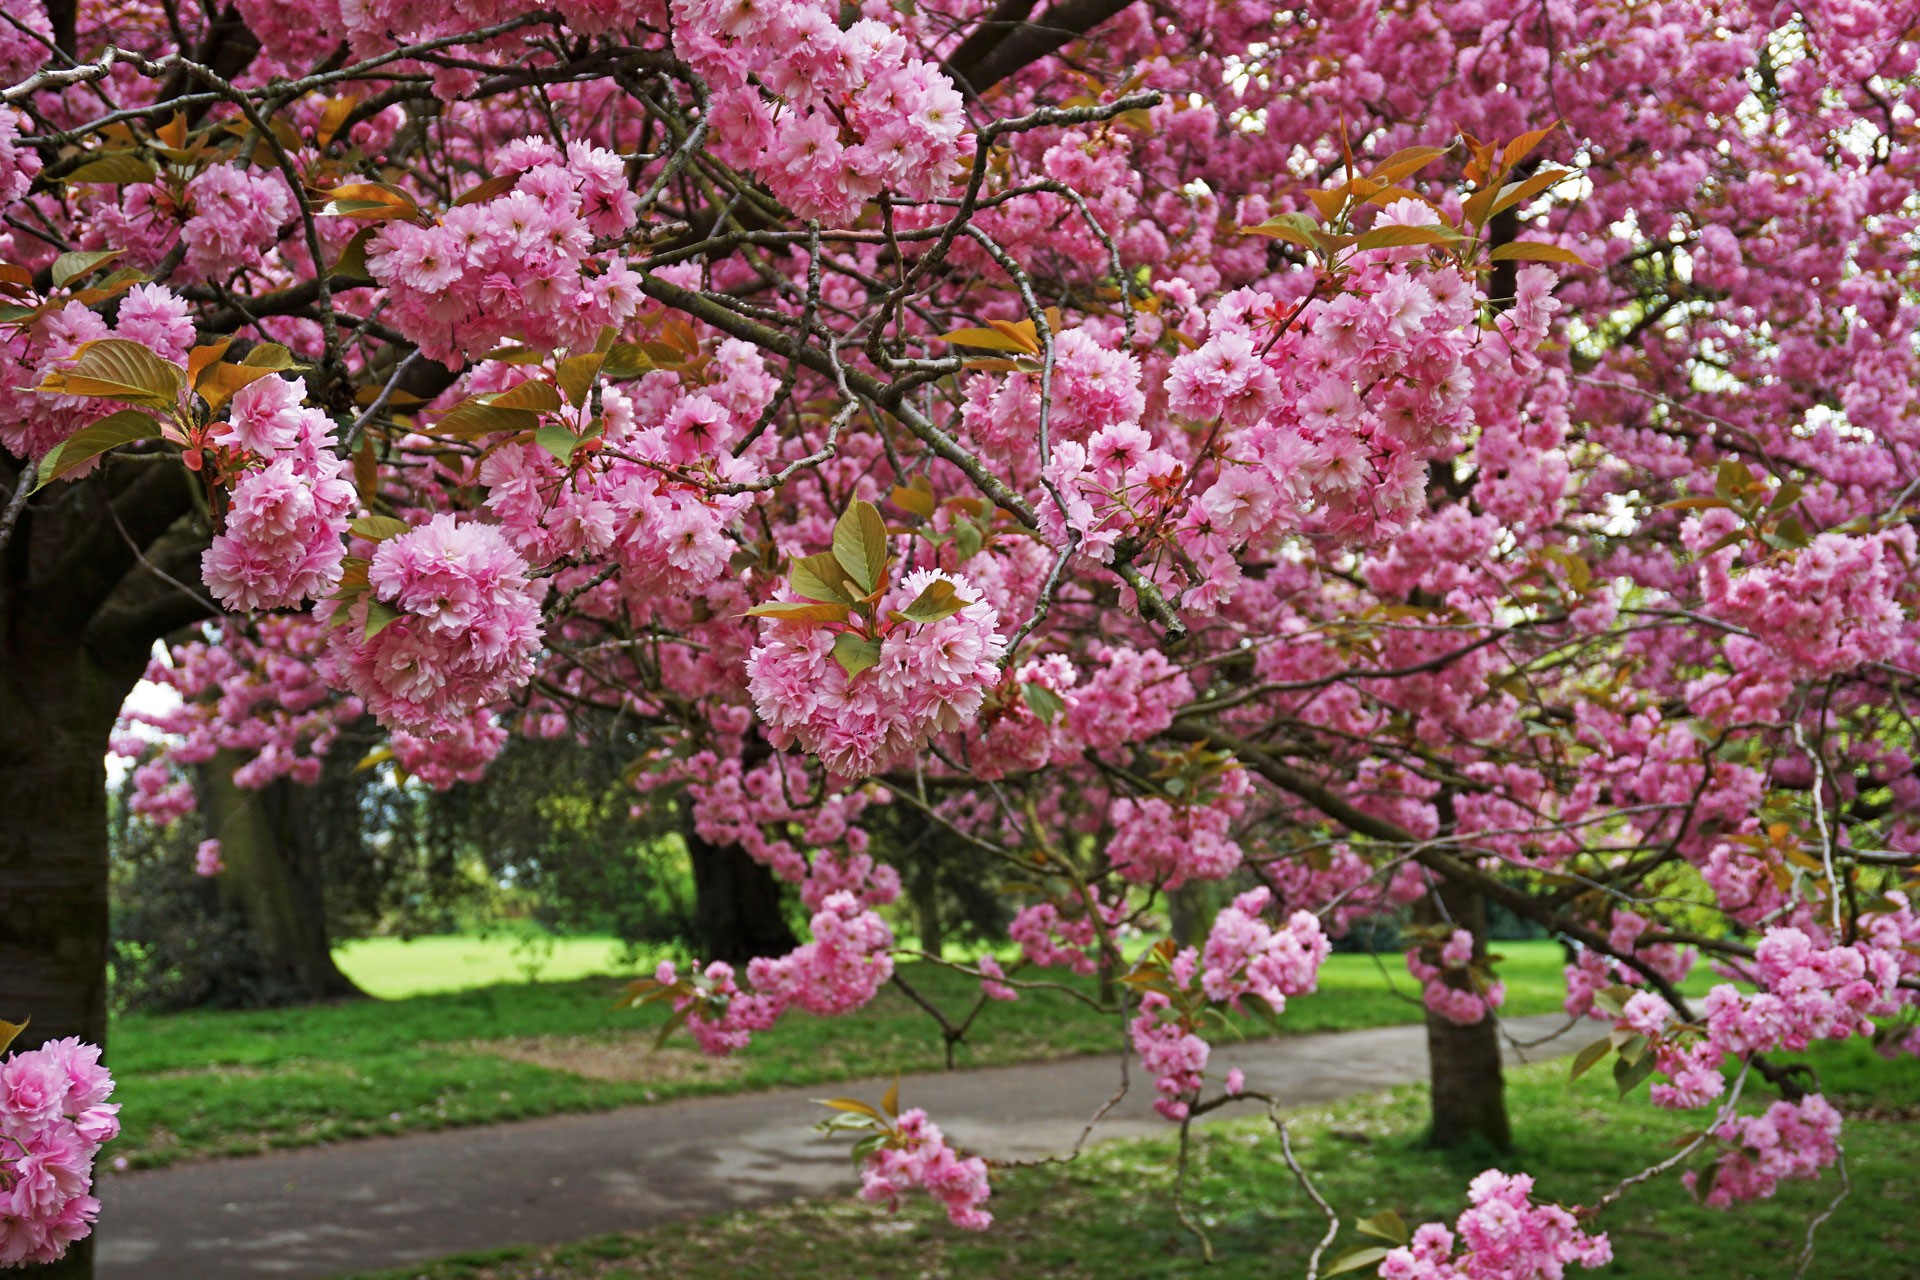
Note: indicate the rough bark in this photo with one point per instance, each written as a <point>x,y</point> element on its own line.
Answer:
<point>737,911</point>
<point>273,879</point>
<point>1463,1063</point>
<point>89,578</point>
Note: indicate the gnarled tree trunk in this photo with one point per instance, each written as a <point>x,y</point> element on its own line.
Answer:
<point>737,911</point>
<point>1463,1063</point>
<point>273,879</point>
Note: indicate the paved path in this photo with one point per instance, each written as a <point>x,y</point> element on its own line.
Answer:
<point>387,1202</point>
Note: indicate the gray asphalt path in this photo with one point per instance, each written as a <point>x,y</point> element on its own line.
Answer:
<point>388,1202</point>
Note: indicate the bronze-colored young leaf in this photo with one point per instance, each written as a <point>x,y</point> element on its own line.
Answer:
<point>226,380</point>
<point>10,1031</point>
<point>202,358</point>
<point>1401,237</point>
<point>118,369</point>
<point>860,545</point>
<point>1294,228</point>
<point>116,168</point>
<point>95,439</point>
<point>1534,251</point>
<point>916,497</point>
<point>800,611</point>
<point>992,340</point>
<point>498,185</point>
<point>575,375</point>
<point>1518,192</point>
<point>270,356</point>
<point>850,1104</point>
<point>626,360</point>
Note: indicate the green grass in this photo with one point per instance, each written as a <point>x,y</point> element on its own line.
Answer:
<point>225,1083</point>
<point>1110,1214</point>
<point>393,968</point>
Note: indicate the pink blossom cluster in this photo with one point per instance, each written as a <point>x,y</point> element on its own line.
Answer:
<point>641,494</point>
<point>1593,972</point>
<point>206,859</point>
<point>1163,842</point>
<point>1787,1140</point>
<point>18,165</point>
<point>1049,936</point>
<point>1245,956</point>
<point>235,215</point>
<point>1125,696</point>
<point>1334,418</point>
<point>465,628</point>
<point>1807,993</point>
<point>282,542</point>
<point>761,810</point>
<point>1504,1235</point>
<point>1116,484</point>
<point>32,422</point>
<point>1168,1048</point>
<point>456,751</point>
<point>931,678</point>
<point>920,1157</point>
<point>54,1117</point>
<point>519,265</point>
<point>841,969</point>
<point>258,692</point>
<point>1448,986</point>
<point>1010,737</point>
<point>827,118</point>
<point>1093,388</point>
<point>1826,608</point>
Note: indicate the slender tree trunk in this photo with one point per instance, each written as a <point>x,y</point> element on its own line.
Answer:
<point>273,879</point>
<point>1463,1063</point>
<point>924,889</point>
<point>57,710</point>
<point>737,909</point>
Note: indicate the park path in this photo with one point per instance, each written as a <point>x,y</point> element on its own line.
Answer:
<point>387,1202</point>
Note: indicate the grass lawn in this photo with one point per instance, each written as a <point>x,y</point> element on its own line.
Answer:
<point>393,968</point>
<point>1110,1215</point>
<point>220,1083</point>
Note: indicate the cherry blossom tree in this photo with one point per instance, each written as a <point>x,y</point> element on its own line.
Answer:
<point>1432,456</point>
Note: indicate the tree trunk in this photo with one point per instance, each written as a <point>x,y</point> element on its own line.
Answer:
<point>737,911</point>
<point>1463,1063</point>
<point>57,709</point>
<point>273,879</point>
<point>924,888</point>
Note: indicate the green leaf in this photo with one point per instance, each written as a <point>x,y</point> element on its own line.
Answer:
<point>1043,702</point>
<point>1294,228</point>
<point>9,1031</point>
<point>1355,1259</point>
<point>516,409</point>
<point>71,266</point>
<point>558,441</point>
<point>799,611</point>
<point>1384,1225</point>
<point>823,578</point>
<point>91,441</point>
<point>378,528</point>
<point>270,356</point>
<point>855,653</point>
<point>939,600</point>
<point>1534,251</point>
<point>380,616</point>
<point>117,369</point>
<point>860,545</point>
<point>1519,192</point>
<point>1628,1074</point>
<point>352,264</point>
<point>968,539</point>
<point>1591,1056</point>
